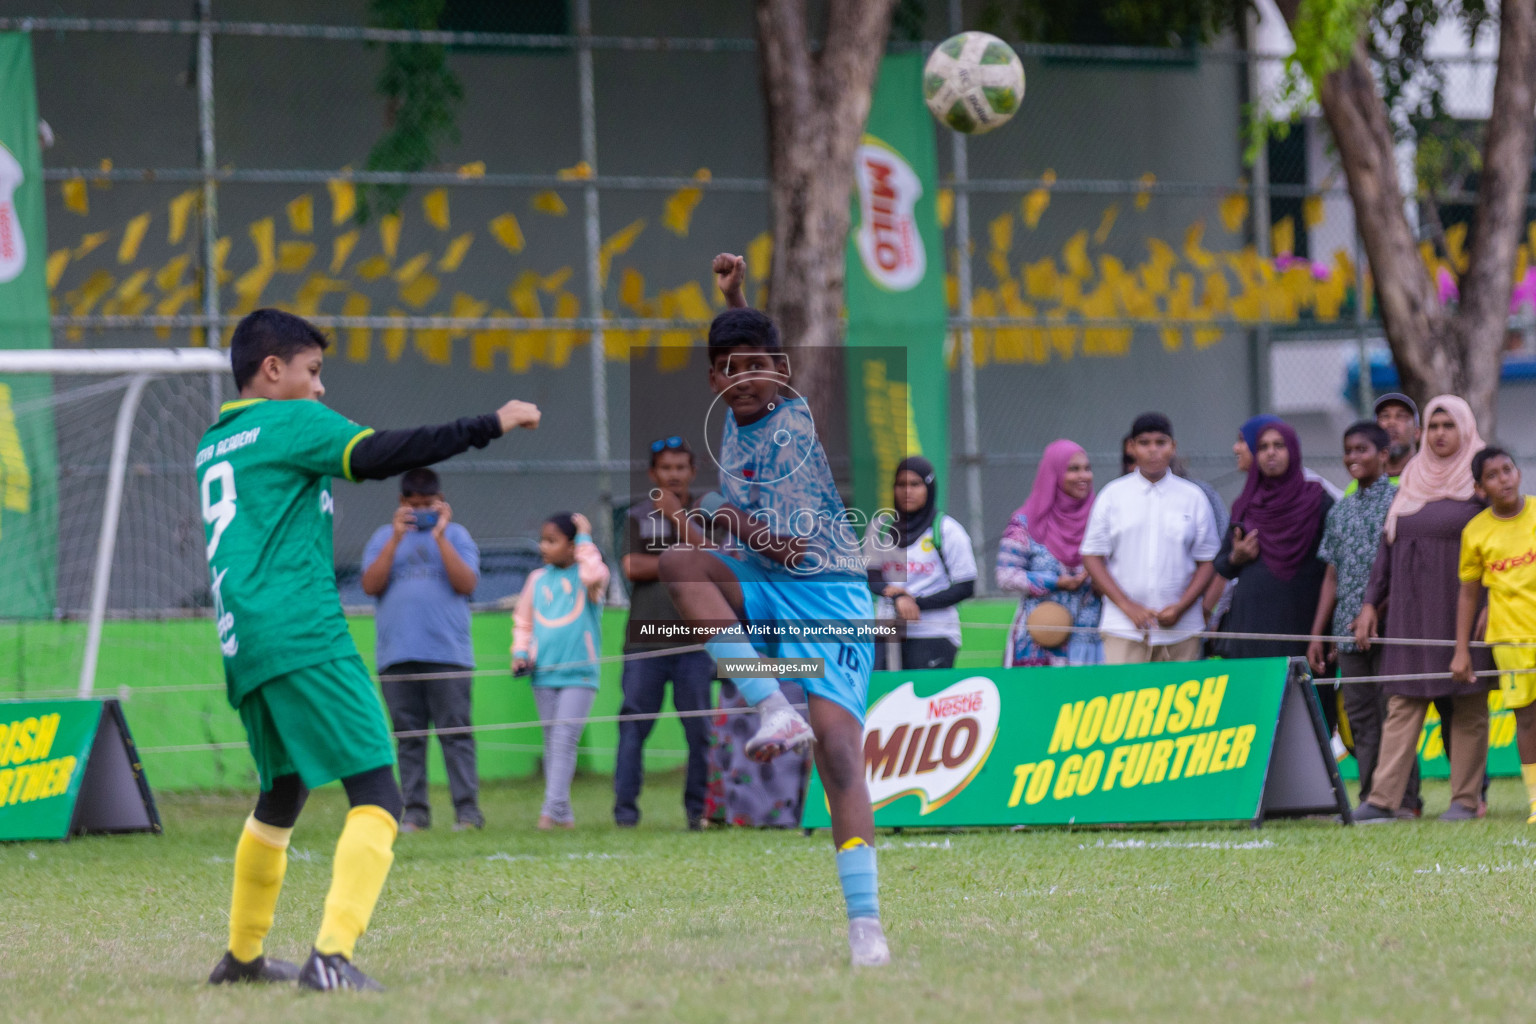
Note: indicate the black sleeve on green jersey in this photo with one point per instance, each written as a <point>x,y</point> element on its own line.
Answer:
<point>387,452</point>
<point>950,595</point>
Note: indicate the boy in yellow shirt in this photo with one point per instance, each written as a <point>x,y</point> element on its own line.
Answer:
<point>1498,552</point>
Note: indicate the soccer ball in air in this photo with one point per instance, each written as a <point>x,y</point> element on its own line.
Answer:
<point>973,82</point>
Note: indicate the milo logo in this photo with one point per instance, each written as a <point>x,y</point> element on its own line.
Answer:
<point>888,241</point>
<point>13,244</point>
<point>930,746</point>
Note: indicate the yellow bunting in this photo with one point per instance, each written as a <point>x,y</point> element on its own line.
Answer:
<point>1282,237</point>
<point>1205,337</point>
<point>359,339</point>
<point>1154,272</point>
<point>485,344</point>
<point>567,307</point>
<point>474,170</point>
<point>1233,210</point>
<point>373,268</point>
<point>760,256</point>
<point>617,244</point>
<point>413,267</point>
<point>1530,235</point>
<point>133,236</point>
<point>581,172</point>
<point>82,300</point>
<point>631,287</point>
<point>168,278</point>
<point>1144,196</point>
<point>457,250</point>
<point>306,301</point>
<point>133,285</point>
<point>944,207</point>
<point>343,199</point>
<point>1427,255</point>
<point>76,198</point>
<point>548,202</point>
<point>57,261</point>
<point>1106,224</point>
<point>394,337</point>
<point>89,243</point>
<point>341,249</point>
<point>1522,261</point>
<point>293,257</point>
<point>1312,213</point>
<point>1193,251</point>
<point>419,291</point>
<point>1173,339</point>
<point>180,208</point>
<point>250,285</point>
<point>263,237</point>
<point>508,232</point>
<point>105,166</point>
<point>554,282</point>
<point>172,303</point>
<point>301,214</point>
<point>389,234</point>
<point>1000,231</point>
<point>1035,203</point>
<point>677,213</point>
<point>220,254</point>
<point>1041,281</point>
<point>434,206</point>
<point>1075,253</point>
<point>1215,293</point>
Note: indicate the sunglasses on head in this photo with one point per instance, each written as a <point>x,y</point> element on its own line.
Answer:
<point>664,443</point>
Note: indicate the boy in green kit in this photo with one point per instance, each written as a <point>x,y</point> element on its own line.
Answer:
<point>292,671</point>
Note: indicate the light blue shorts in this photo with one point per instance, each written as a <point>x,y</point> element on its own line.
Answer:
<point>773,598</point>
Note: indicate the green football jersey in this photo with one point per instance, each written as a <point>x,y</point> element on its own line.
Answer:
<point>264,472</point>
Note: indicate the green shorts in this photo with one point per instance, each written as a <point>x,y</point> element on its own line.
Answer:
<point>324,722</point>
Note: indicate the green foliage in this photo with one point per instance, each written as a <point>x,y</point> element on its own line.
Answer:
<point>1179,23</point>
<point>422,96</point>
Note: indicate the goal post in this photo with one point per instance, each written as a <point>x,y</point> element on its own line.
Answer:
<point>71,411</point>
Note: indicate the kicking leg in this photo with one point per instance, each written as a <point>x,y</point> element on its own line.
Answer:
<point>261,861</point>
<point>364,854</point>
<point>840,761</point>
<point>708,593</point>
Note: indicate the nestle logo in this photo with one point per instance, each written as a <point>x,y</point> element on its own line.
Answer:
<point>960,704</point>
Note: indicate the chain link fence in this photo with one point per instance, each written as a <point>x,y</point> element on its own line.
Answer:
<point>1121,250</point>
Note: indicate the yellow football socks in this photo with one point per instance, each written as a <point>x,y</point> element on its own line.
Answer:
<point>363,857</point>
<point>261,860</point>
<point>1528,773</point>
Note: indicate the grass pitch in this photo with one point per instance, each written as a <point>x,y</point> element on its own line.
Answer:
<point>1296,921</point>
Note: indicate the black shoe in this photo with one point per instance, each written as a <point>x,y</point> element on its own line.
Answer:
<point>1369,814</point>
<point>330,972</point>
<point>625,822</point>
<point>695,824</point>
<point>230,971</point>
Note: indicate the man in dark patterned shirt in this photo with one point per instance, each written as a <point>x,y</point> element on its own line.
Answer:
<point>1351,536</point>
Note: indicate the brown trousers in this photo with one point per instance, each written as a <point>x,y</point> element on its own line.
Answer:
<point>1120,651</point>
<point>1468,746</point>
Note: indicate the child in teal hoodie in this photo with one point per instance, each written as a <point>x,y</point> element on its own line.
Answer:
<point>556,637</point>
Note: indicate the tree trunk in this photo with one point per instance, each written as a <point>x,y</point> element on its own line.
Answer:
<point>817,105</point>
<point>1499,218</point>
<point>1437,352</point>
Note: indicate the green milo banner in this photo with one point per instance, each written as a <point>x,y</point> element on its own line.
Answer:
<point>898,384</point>
<point>28,496</point>
<point>44,748</point>
<point>1088,745</point>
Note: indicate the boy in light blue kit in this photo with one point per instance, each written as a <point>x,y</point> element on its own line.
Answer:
<point>800,566</point>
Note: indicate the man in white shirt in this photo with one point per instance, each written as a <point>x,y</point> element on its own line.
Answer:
<point>1149,546</point>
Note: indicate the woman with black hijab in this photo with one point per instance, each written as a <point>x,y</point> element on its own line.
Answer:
<point>920,566</point>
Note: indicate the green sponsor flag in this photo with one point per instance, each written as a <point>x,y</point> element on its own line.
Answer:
<point>1100,744</point>
<point>44,748</point>
<point>898,384</point>
<point>28,483</point>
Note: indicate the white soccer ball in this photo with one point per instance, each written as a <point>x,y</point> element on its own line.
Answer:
<point>973,82</point>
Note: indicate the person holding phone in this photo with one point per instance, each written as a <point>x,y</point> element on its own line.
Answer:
<point>421,568</point>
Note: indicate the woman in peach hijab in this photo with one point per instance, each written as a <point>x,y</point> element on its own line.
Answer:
<point>1412,593</point>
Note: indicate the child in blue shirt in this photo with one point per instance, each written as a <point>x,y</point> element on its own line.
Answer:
<point>556,637</point>
<point>800,564</point>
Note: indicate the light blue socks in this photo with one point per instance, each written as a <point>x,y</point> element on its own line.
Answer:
<point>860,879</point>
<point>733,644</point>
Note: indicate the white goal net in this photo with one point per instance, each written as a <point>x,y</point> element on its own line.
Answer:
<point>104,588</point>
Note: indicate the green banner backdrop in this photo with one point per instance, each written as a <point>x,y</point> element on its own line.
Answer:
<point>28,486</point>
<point>898,384</point>
<point>1100,744</point>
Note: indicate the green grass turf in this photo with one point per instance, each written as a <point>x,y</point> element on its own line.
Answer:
<point>1300,921</point>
